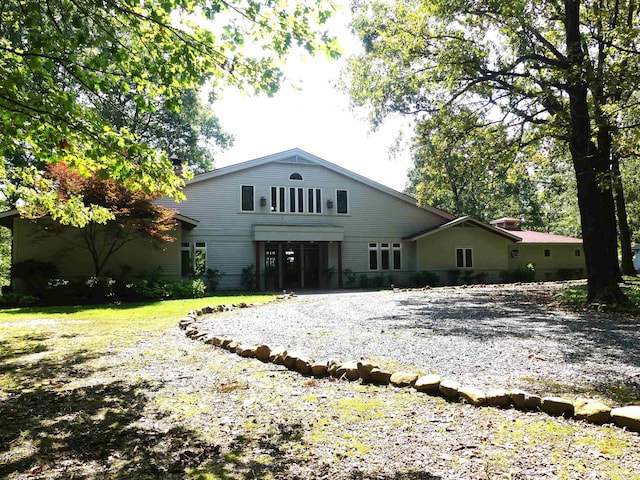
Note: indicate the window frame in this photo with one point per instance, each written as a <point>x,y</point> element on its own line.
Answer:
<point>577,253</point>
<point>317,201</point>
<point>467,254</point>
<point>253,198</point>
<point>547,252</point>
<point>280,203</point>
<point>391,248</point>
<point>347,204</point>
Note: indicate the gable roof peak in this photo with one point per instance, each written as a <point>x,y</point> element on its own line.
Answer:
<point>297,155</point>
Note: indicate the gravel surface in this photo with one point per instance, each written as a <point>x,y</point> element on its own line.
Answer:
<point>486,336</point>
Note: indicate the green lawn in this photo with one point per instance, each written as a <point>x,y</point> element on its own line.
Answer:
<point>576,296</point>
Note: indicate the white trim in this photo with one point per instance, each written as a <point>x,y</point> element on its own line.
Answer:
<point>253,197</point>
<point>348,212</point>
<point>464,258</point>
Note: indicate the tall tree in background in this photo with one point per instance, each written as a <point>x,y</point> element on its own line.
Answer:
<point>66,62</point>
<point>570,67</point>
<point>468,166</point>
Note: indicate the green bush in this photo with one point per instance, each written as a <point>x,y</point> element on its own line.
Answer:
<point>35,275</point>
<point>10,299</point>
<point>519,275</point>
<point>213,277</point>
<point>423,279</point>
<point>453,276</point>
<point>350,278</point>
<point>248,278</point>
<point>364,281</point>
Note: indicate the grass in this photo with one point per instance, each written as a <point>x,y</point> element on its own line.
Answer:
<point>116,391</point>
<point>576,295</point>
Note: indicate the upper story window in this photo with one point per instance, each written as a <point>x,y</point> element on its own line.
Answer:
<point>296,200</point>
<point>342,202</point>
<point>295,176</point>
<point>248,204</point>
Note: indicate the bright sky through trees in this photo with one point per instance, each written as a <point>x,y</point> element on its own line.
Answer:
<point>310,112</point>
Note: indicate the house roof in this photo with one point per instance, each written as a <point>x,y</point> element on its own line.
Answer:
<point>459,221</point>
<point>6,217</point>
<point>540,237</point>
<point>297,155</point>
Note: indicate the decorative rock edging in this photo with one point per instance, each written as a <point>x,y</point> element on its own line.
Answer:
<point>592,411</point>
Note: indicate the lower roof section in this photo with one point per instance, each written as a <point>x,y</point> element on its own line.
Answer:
<point>298,233</point>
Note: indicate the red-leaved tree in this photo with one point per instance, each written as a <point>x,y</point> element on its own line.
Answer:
<point>135,215</point>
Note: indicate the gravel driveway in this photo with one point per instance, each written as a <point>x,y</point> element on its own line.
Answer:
<point>485,336</point>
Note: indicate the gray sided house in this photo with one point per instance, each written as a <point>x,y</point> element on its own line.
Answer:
<point>304,223</point>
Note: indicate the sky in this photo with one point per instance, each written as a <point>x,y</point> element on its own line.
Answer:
<point>311,113</point>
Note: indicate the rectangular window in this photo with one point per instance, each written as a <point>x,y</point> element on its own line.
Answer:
<point>277,199</point>
<point>342,200</point>
<point>577,252</point>
<point>397,257</point>
<point>296,200</point>
<point>200,258</point>
<point>314,200</point>
<point>547,252</point>
<point>185,259</point>
<point>464,257</point>
<point>247,198</point>
<point>384,256</point>
<point>373,256</point>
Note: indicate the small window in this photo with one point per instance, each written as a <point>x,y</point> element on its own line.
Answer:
<point>342,199</point>
<point>247,198</point>
<point>295,176</point>
<point>314,200</point>
<point>277,199</point>
<point>547,252</point>
<point>515,253</point>
<point>185,259</point>
<point>373,256</point>
<point>384,256</point>
<point>576,253</point>
<point>397,263</point>
<point>200,258</point>
<point>464,258</point>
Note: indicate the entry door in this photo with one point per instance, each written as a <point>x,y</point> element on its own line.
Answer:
<point>311,265</point>
<point>292,263</point>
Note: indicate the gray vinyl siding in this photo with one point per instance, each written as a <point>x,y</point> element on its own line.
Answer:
<point>374,216</point>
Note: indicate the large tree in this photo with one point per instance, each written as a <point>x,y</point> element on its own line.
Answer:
<point>569,67</point>
<point>63,62</point>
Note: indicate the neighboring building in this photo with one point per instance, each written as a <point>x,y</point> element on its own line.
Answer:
<point>303,222</point>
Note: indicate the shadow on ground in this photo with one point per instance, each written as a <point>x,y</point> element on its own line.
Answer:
<point>63,420</point>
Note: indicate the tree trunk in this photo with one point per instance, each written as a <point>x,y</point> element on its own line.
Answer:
<point>623,224</point>
<point>602,272</point>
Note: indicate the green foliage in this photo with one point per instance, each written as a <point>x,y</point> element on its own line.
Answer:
<point>350,278</point>
<point>423,279</point>
<point>213,278</point>
<point>465,165</point>
<point>364,281</point>
<point>519,275</point>
<point>5,256</point>
<point>35,274</point>
<point>66,66</point>
<point>248,278</point>
<point>545,71</point>
<point>453,276</point>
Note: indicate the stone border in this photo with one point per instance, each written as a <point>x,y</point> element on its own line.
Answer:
<point>590,410</point>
